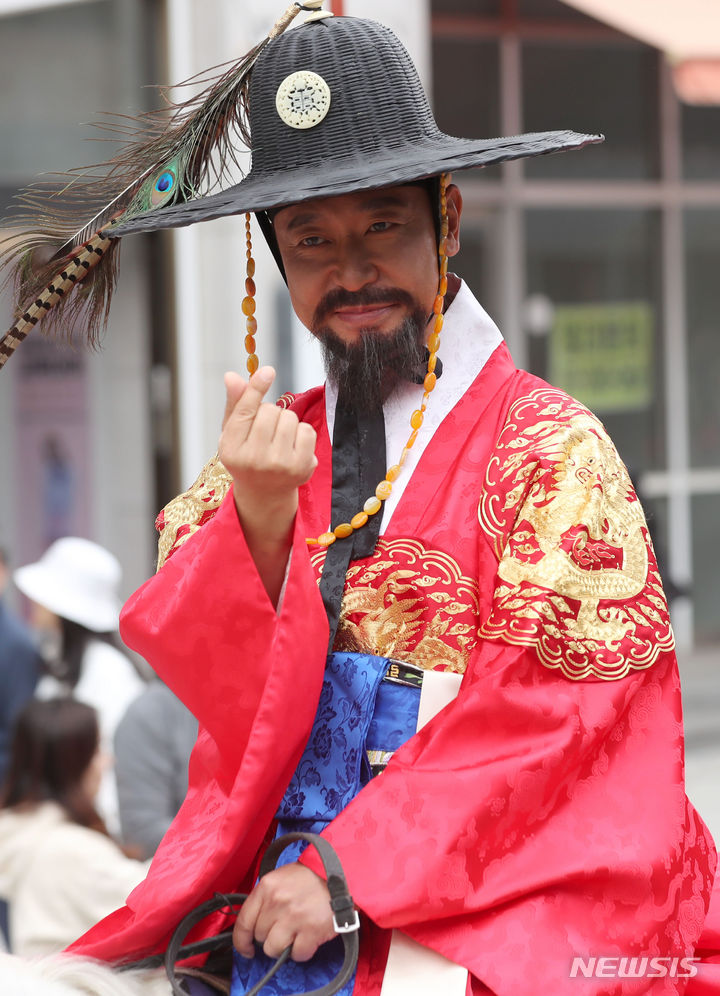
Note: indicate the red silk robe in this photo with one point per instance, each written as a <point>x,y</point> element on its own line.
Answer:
<point>539,817</point>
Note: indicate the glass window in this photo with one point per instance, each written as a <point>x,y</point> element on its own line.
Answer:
<point>656,516</point>
<point>466,91</point>
<point>479,259</point>
<point>58,69</point>
<point>701,142</point>
<point>706,557</point>
<point>702,248</point>
<point>484,8</point>
<point>608,89</point>
<point>593,320</point>
<point>466,87</point>
<point>554,10</point>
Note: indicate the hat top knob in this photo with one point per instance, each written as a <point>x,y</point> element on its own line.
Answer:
<point>316,11</point>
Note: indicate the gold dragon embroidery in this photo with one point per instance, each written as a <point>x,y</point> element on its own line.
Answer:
<point>409,603</point>
<point>186,513</point>
<point>577,577</point>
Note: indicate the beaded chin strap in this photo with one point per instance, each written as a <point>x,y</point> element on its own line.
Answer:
<point>248,304</point>
<point>384,489</point>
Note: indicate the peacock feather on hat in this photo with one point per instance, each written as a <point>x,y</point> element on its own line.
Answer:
<point>63,226</point>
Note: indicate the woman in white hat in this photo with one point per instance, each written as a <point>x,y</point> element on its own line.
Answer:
<point>76,582</point>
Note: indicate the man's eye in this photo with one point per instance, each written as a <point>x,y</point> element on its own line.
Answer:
<point>380,226</point>
<point>312,240</point>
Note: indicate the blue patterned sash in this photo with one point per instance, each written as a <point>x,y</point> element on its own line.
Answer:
<point>358,712</point>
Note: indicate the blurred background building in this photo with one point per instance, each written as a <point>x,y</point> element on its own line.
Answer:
<point>601,267</point>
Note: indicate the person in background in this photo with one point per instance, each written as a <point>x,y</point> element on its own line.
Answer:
<point>153,742</point>
<point>20,666</point>
<point>59,868</point>
<point>75,590</point>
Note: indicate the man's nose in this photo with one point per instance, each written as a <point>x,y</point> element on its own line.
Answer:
<point>355,266</point>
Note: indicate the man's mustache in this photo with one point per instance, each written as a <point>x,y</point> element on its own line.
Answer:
<point>341,298</point>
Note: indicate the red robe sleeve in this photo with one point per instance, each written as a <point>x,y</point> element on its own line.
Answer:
<point>541,817</point>
<point>208,628</point>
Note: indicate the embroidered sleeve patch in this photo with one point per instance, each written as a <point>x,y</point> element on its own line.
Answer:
<point>577,575</point>
<point>186,513</point>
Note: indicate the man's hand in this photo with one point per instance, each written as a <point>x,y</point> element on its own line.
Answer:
<point>266,449</point>
<point>290,905</point>
<point>269,454</point>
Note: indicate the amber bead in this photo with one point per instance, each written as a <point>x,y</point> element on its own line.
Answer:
<point>432,362</point>
<point>372,505</point>
<point>359,520</point>
<point>411,439</point>
<point>439,322</point>
<point>249,344</point>
<point>393,472</point>
<point>442,246</point>
<point>433,342</point>
<point>343,530</point>
<point>250,268</point>
<point>252,363</point>
<point>248,306</point>
<point>404,455</point>
<point>251,324</point>
<point>248,255</point>
<point>416,419</point>
<point>442,289</point>
<point>326,539</point>
<point>444,266</point>
<point>438,305</point>
<point>250,287</point>
<point>429,382</point>
<point>383,490</point>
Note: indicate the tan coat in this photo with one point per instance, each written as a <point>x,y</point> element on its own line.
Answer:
<point>58,878</point>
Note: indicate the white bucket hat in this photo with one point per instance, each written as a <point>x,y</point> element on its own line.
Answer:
<point>77,579</point>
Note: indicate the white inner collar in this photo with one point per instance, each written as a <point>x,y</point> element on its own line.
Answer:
<point>469,337</point>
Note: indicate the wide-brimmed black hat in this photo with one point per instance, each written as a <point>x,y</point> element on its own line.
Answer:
<point>335,106</point>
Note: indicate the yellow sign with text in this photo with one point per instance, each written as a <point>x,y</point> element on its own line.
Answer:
<point>602,354</point>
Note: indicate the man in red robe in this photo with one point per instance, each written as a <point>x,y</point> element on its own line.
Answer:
<point>534,834</point>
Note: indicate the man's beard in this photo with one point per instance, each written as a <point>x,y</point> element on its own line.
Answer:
<point>366,371</point>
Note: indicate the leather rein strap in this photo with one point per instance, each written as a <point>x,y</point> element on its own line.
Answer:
<point>345,919</point>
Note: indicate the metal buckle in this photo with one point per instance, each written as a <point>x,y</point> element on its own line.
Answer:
<point>403,673</point>
<point>347,928</point>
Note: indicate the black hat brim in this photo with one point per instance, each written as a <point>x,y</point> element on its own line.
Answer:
<point>441,154</point>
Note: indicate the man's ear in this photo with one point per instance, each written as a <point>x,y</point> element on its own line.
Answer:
<point>454,210</point>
